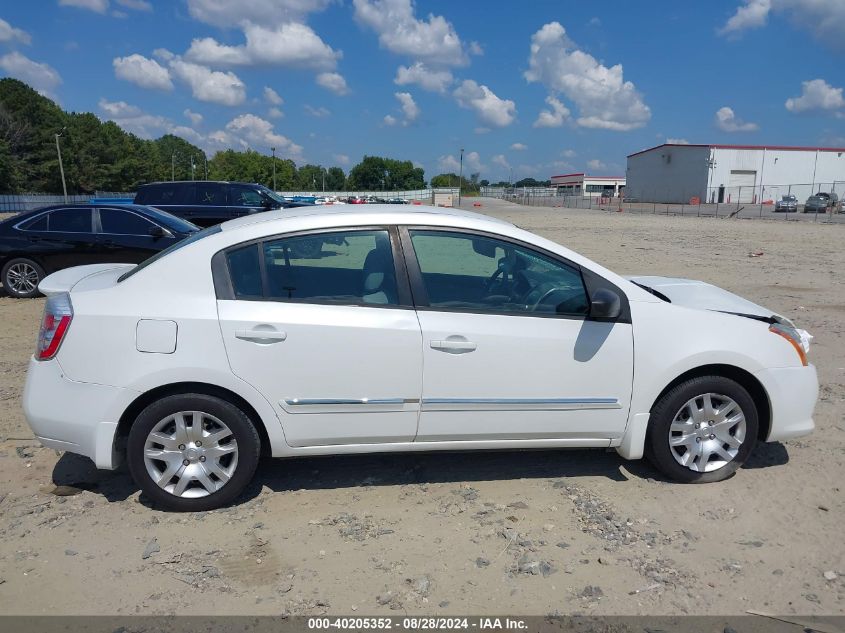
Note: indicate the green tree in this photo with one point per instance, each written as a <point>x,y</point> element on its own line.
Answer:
<point>376,173</point>
<point>335,179</point>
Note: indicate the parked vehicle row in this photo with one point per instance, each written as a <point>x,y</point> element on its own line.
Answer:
<point>820,202</point>
<point>374,200</point>
<point>385,329</point>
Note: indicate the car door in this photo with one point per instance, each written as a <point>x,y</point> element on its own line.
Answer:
<point>64,237</point>
<point>322,324</point>
<point>128,237</point>
<point>509,351</point>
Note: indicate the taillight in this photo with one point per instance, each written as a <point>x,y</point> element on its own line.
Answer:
<point>58,313</point>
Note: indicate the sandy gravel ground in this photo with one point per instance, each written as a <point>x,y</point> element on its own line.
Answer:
<point>520,532</point>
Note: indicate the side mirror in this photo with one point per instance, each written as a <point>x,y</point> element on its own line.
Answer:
<point>158,232</point>
<point>605,304</point>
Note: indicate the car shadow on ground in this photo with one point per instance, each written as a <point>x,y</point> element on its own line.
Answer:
<point>353,471</point>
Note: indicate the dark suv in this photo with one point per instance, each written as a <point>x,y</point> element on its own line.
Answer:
<point>206,203</point>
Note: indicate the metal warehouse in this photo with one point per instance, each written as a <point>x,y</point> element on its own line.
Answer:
<point>588,186</point>
<point>733,173</point>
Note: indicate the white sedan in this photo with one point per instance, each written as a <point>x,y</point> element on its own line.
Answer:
<point>315,331</point>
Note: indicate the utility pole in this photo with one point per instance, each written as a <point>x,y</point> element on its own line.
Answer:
<point>193,167</point>
<point>61,166</point>
<point>324,179</point>
<point>461,177</point>
<point>273,149</point>
<point>173,166</point>
<point>206,166</point>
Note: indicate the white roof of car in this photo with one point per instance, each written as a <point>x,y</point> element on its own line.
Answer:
<point>350,213</point>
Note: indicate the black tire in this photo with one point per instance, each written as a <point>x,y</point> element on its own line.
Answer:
<point>15,264</point>
<point>664,411</point>
<point>242,429</point>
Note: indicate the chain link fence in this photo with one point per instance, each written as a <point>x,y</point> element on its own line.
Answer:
<point>769,201</point>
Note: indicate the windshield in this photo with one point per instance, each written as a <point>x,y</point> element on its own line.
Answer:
<point>271,194</point>
<point>193,237</point>
<point>790,198</point>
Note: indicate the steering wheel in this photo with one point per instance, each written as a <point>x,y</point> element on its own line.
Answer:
<point>545,296</point>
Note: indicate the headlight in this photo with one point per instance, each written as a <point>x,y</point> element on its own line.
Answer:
<point>799,342</point>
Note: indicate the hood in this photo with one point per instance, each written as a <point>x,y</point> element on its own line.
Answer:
<point>691,293</point>
<point>65,280</point>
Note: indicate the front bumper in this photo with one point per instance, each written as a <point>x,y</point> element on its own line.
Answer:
<point>77,417</point>
<point>792,392</point>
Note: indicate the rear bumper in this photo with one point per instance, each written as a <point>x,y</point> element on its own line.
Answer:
<point>792,392</point>
<point>76,417</point>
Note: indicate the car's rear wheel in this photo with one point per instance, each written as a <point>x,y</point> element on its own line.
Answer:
<point>702,430</point>
<point>21,277</point>
<point>192,452</point>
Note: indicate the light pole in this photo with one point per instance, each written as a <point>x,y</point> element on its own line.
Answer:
<point>193,167</point>
<point>323,169</point>
<point>273,149</point>
<point>206,165</point>
<point>173,166</point>
<point>461,177</point>
<point>61,166</point>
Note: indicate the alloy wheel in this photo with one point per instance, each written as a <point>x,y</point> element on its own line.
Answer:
<point>22,278</point>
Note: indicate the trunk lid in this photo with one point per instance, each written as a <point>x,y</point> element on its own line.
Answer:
<point>95,276</point>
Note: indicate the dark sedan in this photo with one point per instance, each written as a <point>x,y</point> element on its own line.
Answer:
<point>37,243</point>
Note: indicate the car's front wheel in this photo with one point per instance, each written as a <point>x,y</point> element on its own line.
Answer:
<point>21,277</point>
<point>702,430</point>
<point>192,452</point>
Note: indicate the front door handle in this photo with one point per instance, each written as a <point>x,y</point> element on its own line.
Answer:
<point>454,346</point>
<point>262,337</point>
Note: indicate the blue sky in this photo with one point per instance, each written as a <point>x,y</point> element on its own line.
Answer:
<point>542,87</point>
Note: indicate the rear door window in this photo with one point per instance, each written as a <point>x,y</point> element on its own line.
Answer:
<point>122,222</point>
<point>71,221</point>
<point>209,193</point>
<point>36,224</point>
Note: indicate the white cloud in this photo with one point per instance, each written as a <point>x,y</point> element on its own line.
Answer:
<point>43,77</point>
<point>8,33</point>
<point>677,141</point>
<point>163,54</point>
<point>99,6</point>
<point>390,120</point>
<point>569,153</point>
<point>249,130</point>
<point>604,99</point>
<point>275,113</point>
<point>272,97</point>
<point>596,165</point>
<point>333,82</point>
<point>343,159</point>
<point>226,14</point>
<point>490,109</point>
<point>141,71</point>
<point>482,130</point>
<point>751,15</point>
<point>816,94</point>
<point>475,48</point>
<point>499,159</point>
<point>320,112</point>
<point>727,121</point>
<point>410,109</point>
<point>194,117</point>
<point>824,19</point>
<point>554,117</point>
<point>472,163</point>
<point>400,32</point>
<point>423,76</point>
<point>137,5</point>
<point>519,147</point>
<point>132,119</point>
<point>448,164</point>
<point>212,86</point>
<point>291,44</point>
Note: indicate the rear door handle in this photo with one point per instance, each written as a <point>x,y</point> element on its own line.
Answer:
<point>262,337</point>
<point>453,346</point>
